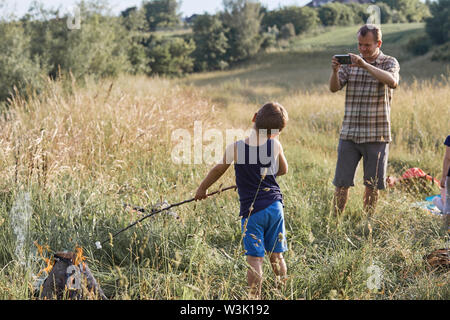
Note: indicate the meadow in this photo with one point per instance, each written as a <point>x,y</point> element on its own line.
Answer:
<point>70,158</point>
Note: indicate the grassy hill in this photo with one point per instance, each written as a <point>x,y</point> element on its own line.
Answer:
<point>305,64</point>
<point>80,152</point>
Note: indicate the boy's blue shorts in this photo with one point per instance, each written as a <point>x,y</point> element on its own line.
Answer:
<point>265,231</point>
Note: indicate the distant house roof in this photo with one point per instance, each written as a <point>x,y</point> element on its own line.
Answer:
<point>190,19</point>
<point>318,3</point>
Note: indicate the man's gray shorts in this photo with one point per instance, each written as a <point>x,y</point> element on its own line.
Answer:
<point>374,154</point>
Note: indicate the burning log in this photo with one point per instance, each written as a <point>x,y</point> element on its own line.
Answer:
<point>71,278</point>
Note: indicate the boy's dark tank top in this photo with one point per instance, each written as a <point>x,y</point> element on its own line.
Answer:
<point>249,167</point>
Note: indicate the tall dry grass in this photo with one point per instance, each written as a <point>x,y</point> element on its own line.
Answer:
<point>92,132</point>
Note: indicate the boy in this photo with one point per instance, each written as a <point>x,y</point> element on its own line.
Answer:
<point>258,160</point>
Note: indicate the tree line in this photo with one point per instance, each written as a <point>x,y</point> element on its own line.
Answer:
<point>141,40</point>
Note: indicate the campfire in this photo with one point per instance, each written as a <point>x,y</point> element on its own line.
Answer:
<point>69,277</point>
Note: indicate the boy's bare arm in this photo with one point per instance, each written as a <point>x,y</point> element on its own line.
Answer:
<point>216,172</point>
<point>213,175</point>
<point>282,162</point>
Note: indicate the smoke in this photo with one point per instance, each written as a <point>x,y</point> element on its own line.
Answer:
<point>20,221</point>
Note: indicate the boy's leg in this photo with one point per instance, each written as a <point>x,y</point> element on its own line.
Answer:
<point>279,266</point>
<point>254,276</point>
<point>275,240</point>
<point>253,233</point>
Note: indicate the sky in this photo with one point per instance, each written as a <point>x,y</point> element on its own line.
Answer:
<point>188,7</point>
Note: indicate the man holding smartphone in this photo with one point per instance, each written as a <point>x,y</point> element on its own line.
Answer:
<point>366,129</point>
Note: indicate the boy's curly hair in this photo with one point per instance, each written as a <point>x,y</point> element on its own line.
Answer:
<point>271,116</point>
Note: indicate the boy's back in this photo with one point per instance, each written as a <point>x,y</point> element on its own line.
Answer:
<point>256,168</point>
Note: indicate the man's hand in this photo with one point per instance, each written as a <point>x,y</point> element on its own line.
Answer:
<point>335,65</point>
<point>381,75</point>
<point>357,61</point>
<point>334,79</point>
<point>200,194</point>
<point>443,181</point>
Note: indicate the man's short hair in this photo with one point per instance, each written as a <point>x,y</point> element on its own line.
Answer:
<point>372,28</point>
<point>271,116</point>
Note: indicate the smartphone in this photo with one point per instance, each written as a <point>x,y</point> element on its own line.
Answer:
<point>343,58</point>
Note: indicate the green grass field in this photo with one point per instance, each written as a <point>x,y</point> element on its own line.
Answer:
<point>80,152</point>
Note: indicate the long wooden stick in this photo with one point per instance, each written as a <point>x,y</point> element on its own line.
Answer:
<point>99,245</point>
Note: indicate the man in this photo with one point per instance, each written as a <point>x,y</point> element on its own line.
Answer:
<point>366,129</point>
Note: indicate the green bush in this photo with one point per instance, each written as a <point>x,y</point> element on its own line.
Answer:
<point>269,37</point>
<point>419,45</point>
<point>442,53</point>
<point>17,68</point>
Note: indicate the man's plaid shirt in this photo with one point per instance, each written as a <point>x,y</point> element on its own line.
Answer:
<point>367,102</point>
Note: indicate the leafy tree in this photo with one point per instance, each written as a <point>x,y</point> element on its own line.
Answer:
<point>17,69</point>
<point>137,55</point>
<point>162,13</point>
<point>438,25</point>
<point>134,19</point>
<point>385,12</point>
<point>303,18</point>
<point>336,14</point>
<point>412,10</point>
<point>360,14</point>
<point>306,18</point>
<point>170,55</point>
<point>99,47</point>
<point>211,43</point>
<point>242,19</point>
<point>287,31</point>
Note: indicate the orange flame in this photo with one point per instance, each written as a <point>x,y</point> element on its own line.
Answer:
<point>79,258</point>
<point>48,261</point>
